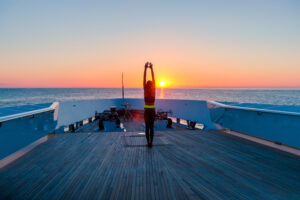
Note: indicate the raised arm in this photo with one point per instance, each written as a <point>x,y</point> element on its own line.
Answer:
<point>152,73</point>
<point>145,73</point>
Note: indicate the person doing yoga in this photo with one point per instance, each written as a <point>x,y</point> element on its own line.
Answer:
<point>149,108</point>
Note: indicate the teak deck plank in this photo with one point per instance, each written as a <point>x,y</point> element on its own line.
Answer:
<point>182,164</point>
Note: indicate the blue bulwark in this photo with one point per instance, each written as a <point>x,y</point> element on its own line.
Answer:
<point>22,125</point>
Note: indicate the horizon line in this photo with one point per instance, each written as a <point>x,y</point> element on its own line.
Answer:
<point>157,87</point>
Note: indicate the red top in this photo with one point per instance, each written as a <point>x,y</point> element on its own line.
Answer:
<point>149,89</point>
<point>149,95</point>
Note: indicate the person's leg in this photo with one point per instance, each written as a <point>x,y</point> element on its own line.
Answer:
<point>151,124</point>
<point>147,125</point>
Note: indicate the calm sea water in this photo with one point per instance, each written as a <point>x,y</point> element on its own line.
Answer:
<point>15,97</point>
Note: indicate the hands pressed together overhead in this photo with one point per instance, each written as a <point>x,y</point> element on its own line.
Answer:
<point>148,64</point>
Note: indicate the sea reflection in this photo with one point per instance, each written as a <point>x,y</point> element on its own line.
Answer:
<point>161,93</point>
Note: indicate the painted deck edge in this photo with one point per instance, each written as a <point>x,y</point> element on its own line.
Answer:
<point>272,144</point>
<point>18,154</point>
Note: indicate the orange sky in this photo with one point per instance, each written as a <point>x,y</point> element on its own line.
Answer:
<point>178,67</point>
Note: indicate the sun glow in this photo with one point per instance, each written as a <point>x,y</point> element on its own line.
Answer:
<point>162,83</point>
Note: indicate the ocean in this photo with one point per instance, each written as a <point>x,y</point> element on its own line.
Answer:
<point>285,97</point>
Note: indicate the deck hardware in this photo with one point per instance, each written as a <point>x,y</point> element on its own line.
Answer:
<point>97,116</point>
<point>279,143</point>
<point>126,112</point>
<point>101,125</point>
<point>72,128</point>
<point>191,124</point>
<point>118,122</point>
<point>90,119</point>
<point>113,109</point>
<point>169,124</point>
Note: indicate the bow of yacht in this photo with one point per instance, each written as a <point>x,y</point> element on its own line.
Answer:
<point>97,149</point>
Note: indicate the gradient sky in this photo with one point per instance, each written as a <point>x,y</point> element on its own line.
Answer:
<point>198,43</point>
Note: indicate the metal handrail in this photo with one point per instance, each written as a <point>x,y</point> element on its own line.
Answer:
<point>258,110</point>
<point>29,113</point>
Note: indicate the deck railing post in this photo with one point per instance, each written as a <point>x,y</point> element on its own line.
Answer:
<point>101,125</point>
<point>169,124</point>
<point>72,128</point>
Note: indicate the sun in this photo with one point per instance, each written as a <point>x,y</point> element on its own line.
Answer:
<point>162,83</point>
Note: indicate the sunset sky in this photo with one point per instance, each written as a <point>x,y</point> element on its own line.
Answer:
<point>191,43</point>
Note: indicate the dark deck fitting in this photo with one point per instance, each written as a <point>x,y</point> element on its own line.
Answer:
<point>182,164</point>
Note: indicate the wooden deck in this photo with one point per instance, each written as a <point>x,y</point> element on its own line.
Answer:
<point>182,164</point>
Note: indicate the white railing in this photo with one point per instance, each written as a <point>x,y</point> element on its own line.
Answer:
<point>258,110</point>
<point>53,107</point>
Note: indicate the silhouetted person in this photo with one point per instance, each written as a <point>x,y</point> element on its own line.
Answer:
<point>149,108</point>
